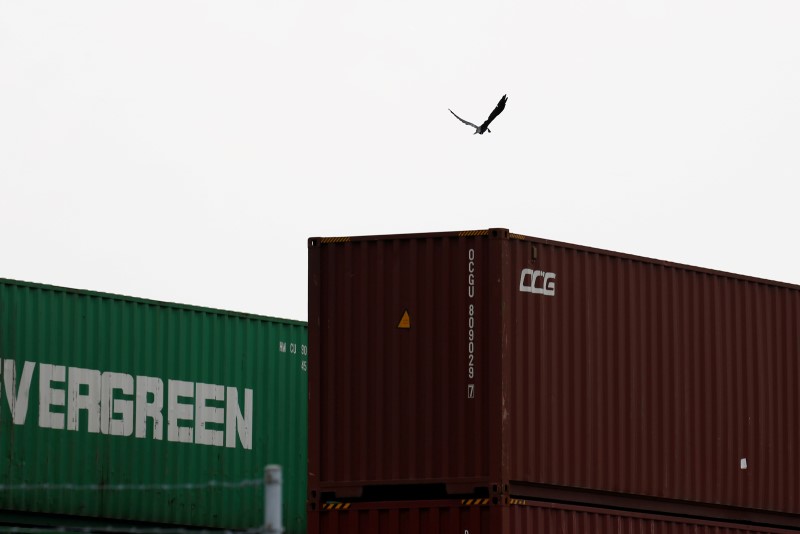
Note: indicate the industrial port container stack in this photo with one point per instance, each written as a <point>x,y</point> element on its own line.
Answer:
<point>118,409</point>
<point>484,366</point>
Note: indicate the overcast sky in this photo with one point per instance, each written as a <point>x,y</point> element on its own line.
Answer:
<point>185,151</point>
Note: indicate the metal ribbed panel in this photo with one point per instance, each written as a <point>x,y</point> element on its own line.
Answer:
<point>654,380</point>
<point>520,517</point>
<point>393,402</point>
<point>107,334</point>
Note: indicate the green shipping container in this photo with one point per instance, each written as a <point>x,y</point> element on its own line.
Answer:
<point>101,393</point>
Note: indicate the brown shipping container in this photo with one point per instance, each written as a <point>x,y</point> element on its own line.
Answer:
<point>517,517</point>
<point>489,363</point>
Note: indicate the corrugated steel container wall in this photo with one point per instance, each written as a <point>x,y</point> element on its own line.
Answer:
<point>652,379</point>
<point>98,348</point>
<point>613,374</point>
<point>390,403</point>
<point>522,517</point>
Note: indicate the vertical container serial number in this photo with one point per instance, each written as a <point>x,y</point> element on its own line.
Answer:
<point>471,324</point>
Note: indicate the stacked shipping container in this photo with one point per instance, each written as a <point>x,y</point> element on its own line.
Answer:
<point>116,408</point>
<point>501,366</point>
<point>517,517</point>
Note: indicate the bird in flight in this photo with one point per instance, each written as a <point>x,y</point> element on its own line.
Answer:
<point>485,126</point>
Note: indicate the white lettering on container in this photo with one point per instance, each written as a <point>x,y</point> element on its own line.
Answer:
<point>17,394</point>
<point>148,385</point>
<point>547,287</point>
<point>204,414</point>
<point>49,397</point>
<point>121,404</point>
<point>87,380</point>
<point>111,407</point>
<point>178,411</point>
<point>471,324</point>
<point>236,423</point>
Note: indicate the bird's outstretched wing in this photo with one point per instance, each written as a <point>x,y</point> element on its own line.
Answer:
<point>495,112</point>
<point>462,120</point>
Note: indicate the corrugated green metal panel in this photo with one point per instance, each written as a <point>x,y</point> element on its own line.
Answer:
<point>111,361</point>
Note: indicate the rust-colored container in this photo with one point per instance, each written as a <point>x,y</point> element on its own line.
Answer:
<point>517,517</point>
<point>489,363</point>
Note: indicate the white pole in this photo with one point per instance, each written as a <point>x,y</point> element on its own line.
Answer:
<point>273,508</point>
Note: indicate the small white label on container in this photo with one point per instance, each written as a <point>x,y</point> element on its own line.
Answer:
<point>743,463</point>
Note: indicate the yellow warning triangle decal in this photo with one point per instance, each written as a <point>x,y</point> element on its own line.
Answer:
<point>405,321</point>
